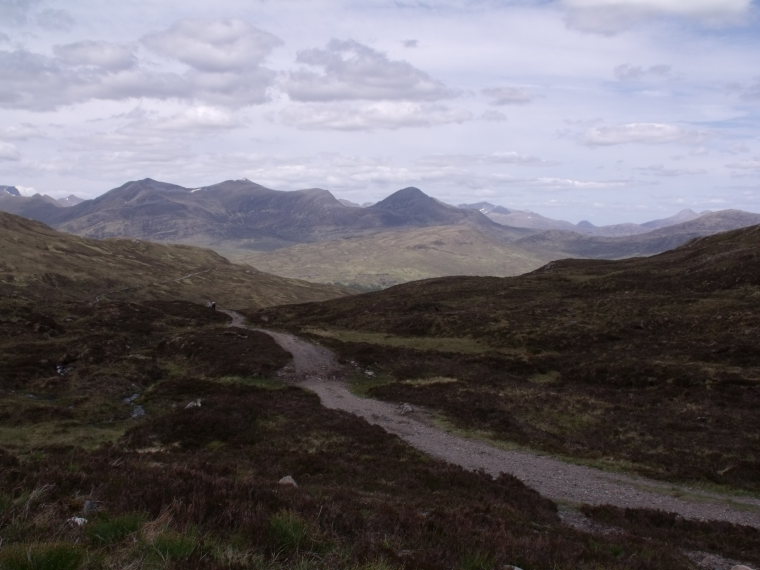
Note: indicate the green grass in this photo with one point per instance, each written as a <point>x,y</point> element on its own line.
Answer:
<point>459,345</point>
<point>27,437</point>
<point>41,556</point>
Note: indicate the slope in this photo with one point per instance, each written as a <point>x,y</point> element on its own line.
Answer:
<point>391,257</point>
<point>37,262</point>
<point>647,363</point>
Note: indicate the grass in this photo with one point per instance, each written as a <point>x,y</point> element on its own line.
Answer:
<point>42,556</point>
<point>460,345</point>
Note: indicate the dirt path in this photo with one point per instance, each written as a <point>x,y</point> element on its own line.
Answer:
<point>315,368</point>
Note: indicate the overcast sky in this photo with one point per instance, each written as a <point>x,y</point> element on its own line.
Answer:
<point>606,110</point>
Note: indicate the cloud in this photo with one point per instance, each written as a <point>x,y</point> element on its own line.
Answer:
<point>751,165</point>
<point>508,95</point>
<point>493,116</point>
<point>55,20</point>
<point>8,151</point>
<point>642,133</point>
<point>494,158</point>
<point>21,131</point>
<point>627,72</point>
<point>371,116</point>
<point>16,12</point>
<point>106,55</point>
<point>549,183</point>
<point>613,16</point>
<point>216,46</point>
<point>353,71</point>
<point>194,119</point>
<point>665,172</point>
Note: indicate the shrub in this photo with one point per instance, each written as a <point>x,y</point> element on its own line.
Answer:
<point>107,530</point>
<point>41,557</point>
<point>289,532</point>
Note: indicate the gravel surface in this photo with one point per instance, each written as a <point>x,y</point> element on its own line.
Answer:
<point>315,368</point>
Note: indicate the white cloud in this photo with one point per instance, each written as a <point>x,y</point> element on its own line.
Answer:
<point>642,133</point>
<point>8,151</point>
<point>662,171</point>
<point>106,55</point>
<point>494,158</point>
<point>550,183</point>
<point>508,95</point>
<point>612,16</point>
<point>21,131</point>
<point>216,46</point>
<point>351,70</point>
<point>371,116</point>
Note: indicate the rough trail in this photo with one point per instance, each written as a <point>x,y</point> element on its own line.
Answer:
<point>315,368</point>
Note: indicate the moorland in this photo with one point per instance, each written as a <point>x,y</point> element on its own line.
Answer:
<point>137,430</point>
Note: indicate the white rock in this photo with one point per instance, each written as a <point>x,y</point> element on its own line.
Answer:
<point>194,404</point>
<point>77,521</point>
<point>287,481</point>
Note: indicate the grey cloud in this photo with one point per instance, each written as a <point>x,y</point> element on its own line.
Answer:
<point>627,72</point>
<point>609,17</point>
<point>494,116</point>
<point>51,19</point>
<point>665,172</point>
<point>16,12</point>
<point>214,46</point>
<point>749,165</point>
<point>351,70</point>
<point>105,55</point>
<point>370,116</point>
<point>508,95</point>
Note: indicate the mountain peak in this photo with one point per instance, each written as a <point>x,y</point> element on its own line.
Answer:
<point>405,198</point>
<point>12,190</point>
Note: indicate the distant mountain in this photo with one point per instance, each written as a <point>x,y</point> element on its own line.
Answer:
<point>70,200</point>
<point>11,190</point>
<point>665,238</point>
<point>242,214</point>
<point>519,218</point>
<point>37,262</point>
<point>526,219</point>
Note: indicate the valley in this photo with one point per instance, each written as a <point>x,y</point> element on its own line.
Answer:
<point>127,403</point>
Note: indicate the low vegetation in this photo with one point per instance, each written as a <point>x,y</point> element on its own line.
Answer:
<point>648,363</point>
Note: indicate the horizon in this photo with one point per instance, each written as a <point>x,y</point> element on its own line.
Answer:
<point>611,111</point>
<point>30,192</point>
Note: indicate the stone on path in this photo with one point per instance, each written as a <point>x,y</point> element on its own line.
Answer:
<point>287,481</point>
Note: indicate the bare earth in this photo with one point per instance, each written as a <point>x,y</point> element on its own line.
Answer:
<point>315,368</point>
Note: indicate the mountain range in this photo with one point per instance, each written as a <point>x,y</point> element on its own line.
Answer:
<point>309,234</point>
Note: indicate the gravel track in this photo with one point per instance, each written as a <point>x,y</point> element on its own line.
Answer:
<point>315,368</point>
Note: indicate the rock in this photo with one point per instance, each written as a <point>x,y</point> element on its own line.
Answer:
<point>405,409</point>
<point>287,481</point>
<point>369,373</point>
<point>77,521</point>
<point>741,567</point>
<point>194,404</point>
<point>510,567</point>
<point>138,412</point>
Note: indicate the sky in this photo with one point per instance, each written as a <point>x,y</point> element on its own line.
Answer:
<point>603,110</point>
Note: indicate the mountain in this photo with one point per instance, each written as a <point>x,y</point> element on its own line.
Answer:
<point>526,219</point>
<point>10,190</point>
<point>390,257</point>
<point>629,363</point>
<point>242,214</point>
<point>41,263</point>
<point>571,244</point>
<point>519,218</point>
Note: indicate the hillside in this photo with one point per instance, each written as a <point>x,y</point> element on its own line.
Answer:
<point>137,430</point>
<point>391,257</point>
<point>39,263</point>
<point>648,363</point>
